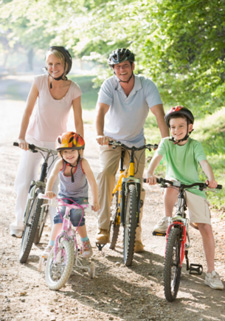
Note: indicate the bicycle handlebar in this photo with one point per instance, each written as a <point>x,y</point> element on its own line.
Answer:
<point>115,144</point>
<point>164,183</point>
<point>59,202</point>
<point>35,148</point>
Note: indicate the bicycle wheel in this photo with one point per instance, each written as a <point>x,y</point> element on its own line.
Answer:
<point>58,270</point>
<point>32,214</point>
<point>41,224</point>
<point>172,268</point>
<point>114,222</point>
<point>131,212</point>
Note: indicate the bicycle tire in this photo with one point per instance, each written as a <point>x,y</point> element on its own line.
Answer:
<point>41,225</point>
<point>114,222</point>
<point>57,273</point>
<point>131,209</point>
<point>31,224</point>
<point>172,268</point>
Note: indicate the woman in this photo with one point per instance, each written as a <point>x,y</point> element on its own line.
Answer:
<point>45,117</point>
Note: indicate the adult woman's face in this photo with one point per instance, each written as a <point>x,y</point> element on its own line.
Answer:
<point>55,66</point>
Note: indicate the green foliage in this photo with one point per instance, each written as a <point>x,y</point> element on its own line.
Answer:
<point>89,93</point>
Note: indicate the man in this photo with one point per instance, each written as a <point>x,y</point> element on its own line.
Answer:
<point>123,104</point>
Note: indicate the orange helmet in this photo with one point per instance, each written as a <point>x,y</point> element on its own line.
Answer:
<point>69,140</point>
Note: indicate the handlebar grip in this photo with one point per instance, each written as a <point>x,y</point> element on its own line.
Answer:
<point>219,186</point>
<point>31,146</point>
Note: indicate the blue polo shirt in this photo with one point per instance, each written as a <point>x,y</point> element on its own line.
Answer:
<point>126,116</point>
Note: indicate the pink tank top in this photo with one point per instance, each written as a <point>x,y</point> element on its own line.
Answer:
<point>50,116</point>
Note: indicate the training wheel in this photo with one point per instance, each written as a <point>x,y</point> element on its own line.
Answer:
<point>91,270</point>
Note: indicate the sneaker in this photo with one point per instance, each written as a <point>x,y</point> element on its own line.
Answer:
<point>213,280</point>
<point>102,236</point>
<point>162,225</point>
<point>86,249</point>
<point>46,252</point>
<point>16,233</point>
<point>16,230</point>
<point>138,247</point>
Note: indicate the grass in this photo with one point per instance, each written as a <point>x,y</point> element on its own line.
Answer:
<point>89,94</point>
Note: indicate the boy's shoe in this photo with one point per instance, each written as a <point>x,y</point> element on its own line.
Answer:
<point>46,252</point>
<point>102,236</point>
<point>86,249</point>
<point>162,225</point>
<point>138,247</point>
<point>213,280</point>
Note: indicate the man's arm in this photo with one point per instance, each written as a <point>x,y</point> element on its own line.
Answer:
<point>102,110</point>
<point>158,111</point>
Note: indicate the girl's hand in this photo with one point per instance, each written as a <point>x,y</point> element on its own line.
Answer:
<point>23,144</point>
<point>211,184</point>
<point>95,206</point>
<point>151,179</point>
<point>50,194</point>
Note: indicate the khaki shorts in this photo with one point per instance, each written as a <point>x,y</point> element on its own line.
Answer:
<point>198,208</point>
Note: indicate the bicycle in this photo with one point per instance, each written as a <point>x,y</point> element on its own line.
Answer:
<point>178,241</point>
<point>126,202</point>
<point>65,253</point>
<point>35,215</point>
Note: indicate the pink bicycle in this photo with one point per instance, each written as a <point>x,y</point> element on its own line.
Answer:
<point>65,254</point>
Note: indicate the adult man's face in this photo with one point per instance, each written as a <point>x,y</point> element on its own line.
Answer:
<point>124,70</point>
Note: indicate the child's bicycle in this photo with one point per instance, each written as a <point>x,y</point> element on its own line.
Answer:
<point>126,202</point>
<point>35,215</point>
<point>177,241</point>
<point>65,254</point>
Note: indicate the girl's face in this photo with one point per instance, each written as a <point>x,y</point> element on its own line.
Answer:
<point>179,128</point>
<point>70,156</point>
<point>55,66</point>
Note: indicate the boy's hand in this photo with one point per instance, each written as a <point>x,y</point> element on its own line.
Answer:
<point>50,194</point>
<point>95,206</point>
<point>152,179</point>
<point>211,184</point>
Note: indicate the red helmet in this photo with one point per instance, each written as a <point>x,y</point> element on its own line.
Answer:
<point>179,111</point>
<point>69,140</point>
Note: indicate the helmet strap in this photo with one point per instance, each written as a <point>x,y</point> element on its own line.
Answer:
<point>62,77</point>
<point>72,166</point>
<point>181,140</point>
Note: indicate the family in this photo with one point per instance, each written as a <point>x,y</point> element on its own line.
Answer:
<point>123,104</point>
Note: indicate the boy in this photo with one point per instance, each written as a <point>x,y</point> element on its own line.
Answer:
<point>182,155</point>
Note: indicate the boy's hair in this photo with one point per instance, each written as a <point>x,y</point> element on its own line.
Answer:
<point>179,112</point>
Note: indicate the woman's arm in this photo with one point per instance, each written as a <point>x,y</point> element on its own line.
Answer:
<point>77,112</point>
<point>31,100</point>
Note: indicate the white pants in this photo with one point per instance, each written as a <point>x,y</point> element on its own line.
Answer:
<point>109,163</point>
<point>28,170</point>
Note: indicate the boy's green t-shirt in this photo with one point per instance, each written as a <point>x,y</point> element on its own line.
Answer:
<point>182,161</point>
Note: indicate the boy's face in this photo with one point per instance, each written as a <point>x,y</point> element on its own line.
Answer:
<point>179,128</point>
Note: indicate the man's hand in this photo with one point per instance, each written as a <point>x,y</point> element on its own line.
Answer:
<point>102,140</point>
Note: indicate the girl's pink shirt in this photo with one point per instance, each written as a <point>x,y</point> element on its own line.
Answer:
<point>50,116</point>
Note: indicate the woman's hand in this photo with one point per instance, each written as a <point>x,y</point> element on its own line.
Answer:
<point>50,194</point>
<point>23,144</point>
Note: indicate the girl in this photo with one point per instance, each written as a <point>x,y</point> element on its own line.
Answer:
<point>72,170</point>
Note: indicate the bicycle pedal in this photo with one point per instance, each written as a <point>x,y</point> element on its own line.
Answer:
<point>158,233</point>
<point>100,246</point>
<point>196,269</point>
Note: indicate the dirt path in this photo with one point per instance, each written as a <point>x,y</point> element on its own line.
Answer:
<point>117,292</point>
